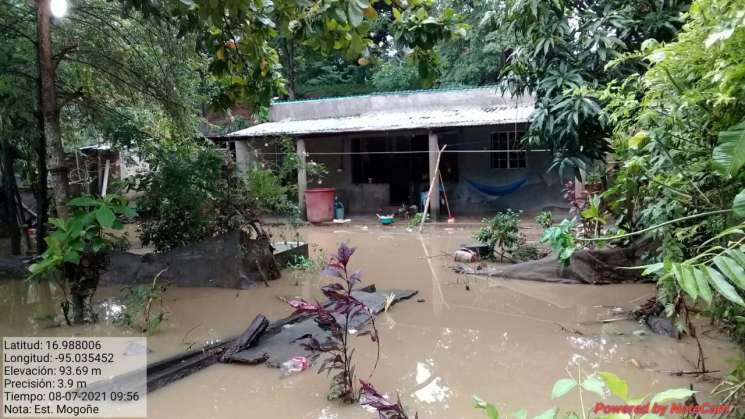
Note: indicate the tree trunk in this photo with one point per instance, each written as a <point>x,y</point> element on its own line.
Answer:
<point>83,279</point>
<point>42,200</point>
<point>9,199</point>
<point>287,48</point>
<point>55,156</point>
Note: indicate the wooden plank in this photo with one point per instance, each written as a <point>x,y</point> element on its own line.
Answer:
<point>431,189</point>
<point>164,372</point>
<point>434,165</point>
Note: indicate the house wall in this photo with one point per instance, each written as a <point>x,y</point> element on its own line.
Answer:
<point>542,190</point>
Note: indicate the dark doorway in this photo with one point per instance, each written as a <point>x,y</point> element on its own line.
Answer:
<point>401,161</point>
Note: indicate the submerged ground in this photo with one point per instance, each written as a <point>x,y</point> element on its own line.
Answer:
<point>505,340</point>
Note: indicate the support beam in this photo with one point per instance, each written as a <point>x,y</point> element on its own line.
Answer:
<point>302,179</point>
<point>242,156</point>
<point>434,149</point>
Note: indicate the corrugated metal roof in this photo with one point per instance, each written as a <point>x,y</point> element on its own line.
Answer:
<point>391,121</point>
<point>393,111</point>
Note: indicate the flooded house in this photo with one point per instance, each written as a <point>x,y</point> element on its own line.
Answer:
<point>381,150</point>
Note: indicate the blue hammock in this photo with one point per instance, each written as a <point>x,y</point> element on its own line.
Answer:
<point>499,190</point>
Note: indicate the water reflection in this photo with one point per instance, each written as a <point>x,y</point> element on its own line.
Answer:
<point>433,390</point>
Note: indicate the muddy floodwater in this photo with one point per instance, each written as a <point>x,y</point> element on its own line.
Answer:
<point>504,340</point>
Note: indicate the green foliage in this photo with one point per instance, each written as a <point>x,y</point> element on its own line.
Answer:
<point>545,219</point>
<point>477,58</point>
<point>594,213</point>
<point>268,194</point>
<point>678,128</point>
<point>86,231</point>
<point>394,76</point>
<point>416,220</point>
<point>598,384</point>
<point>719,270</point>
<point>501,233</point>
<point>242,37</point>
<point>138,312</point>
<point>730,390</point>
<point>561,240</point>
<point>562,50</point>
<point>190,194</point>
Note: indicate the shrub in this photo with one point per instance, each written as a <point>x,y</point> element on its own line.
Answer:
<point>561,240</point>
<point>77,249</point>
<point>266,191</point>
<point>545,219</point>
<point>598,384</point>
<point>190,194</point>
<point>138,312</point>
<point>335,318</point>
<point>501,233</point>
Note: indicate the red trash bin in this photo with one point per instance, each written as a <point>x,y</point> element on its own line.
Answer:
<point>319,204</point>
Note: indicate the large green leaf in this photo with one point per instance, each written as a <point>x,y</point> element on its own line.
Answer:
<point>702,284</point>
<point>729,155</point>
<point>84,201</point>
<point>685,279</point>
<point>737,255</point>
<point>489,409</point>
<point>593,385</point>
<point>562,387</point>
<point>617,386</point>
<point>105,217</point>
<point>738,205</point>
<point>672,394</point>
<point>725,288</point>
<point>732,270</point>
<point>520,414</point>
<point>548,414</point>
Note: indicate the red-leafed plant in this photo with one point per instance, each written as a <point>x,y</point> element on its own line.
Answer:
<point>335,317</point>
<point>386,409</point>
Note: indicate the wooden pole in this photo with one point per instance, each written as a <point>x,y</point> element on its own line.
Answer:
<point>302,179</point>
<point>434,164</point>
<point>431,187</point>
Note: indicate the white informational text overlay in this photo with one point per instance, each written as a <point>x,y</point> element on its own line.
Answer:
<point>47,377</point>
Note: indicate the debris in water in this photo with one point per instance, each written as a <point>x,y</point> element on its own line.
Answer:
<point>294,365</point>
<point>466,256</point>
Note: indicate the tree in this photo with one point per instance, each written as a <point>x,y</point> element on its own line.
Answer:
<point>50,112</point>
<point>478,58</point>
<point>100,73</point>
<point>562,49</point>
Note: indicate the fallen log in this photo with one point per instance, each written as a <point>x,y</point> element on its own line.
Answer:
<point>587,266</point>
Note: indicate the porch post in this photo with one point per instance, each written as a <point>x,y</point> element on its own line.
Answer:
<point>302,180</point>
<point>434,149</point>
<point>242,156</point>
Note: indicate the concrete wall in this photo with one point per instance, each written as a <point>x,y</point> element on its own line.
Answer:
<point>542,189</point>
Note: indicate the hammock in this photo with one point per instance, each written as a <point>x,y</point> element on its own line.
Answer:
<point>499,190</point>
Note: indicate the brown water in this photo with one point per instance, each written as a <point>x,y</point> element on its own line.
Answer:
<point>505,340</point>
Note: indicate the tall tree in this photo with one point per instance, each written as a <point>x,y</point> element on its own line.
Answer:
<point>50,112</point>
<point>562,49</point>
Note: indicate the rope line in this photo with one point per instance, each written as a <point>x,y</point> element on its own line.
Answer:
<point>341,153</point>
